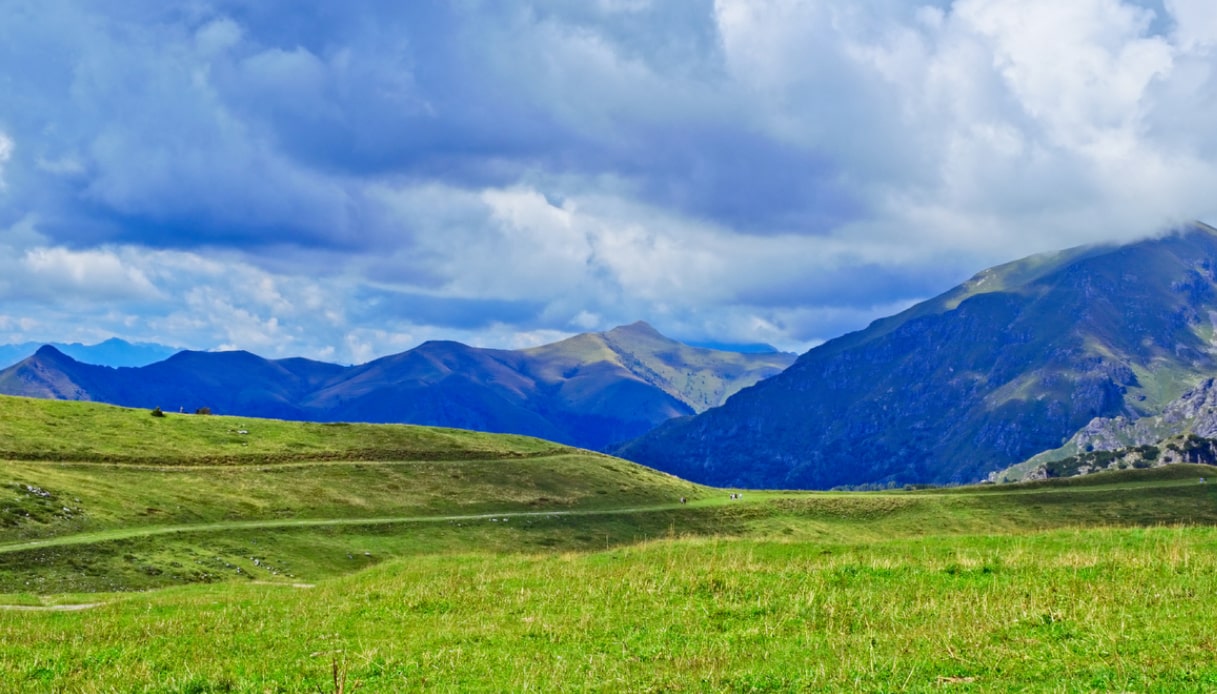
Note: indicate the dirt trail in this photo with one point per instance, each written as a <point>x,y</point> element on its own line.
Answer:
<point>145,531</point>
<point>52,608</point>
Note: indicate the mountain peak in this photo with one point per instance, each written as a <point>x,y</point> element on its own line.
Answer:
<point>637,328</point>
<point>51,352</point>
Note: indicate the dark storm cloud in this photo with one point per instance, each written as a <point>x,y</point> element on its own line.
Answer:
<point>249,126</point>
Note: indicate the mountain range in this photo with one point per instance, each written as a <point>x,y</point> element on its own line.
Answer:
<point>111,352</point>
<point>1012,362</point>
<point>592,390</point>
<point>1052,357</point>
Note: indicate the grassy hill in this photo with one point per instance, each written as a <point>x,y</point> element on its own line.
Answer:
<point>91,432</point>
<point>177,554</point>
<point>145,485</point>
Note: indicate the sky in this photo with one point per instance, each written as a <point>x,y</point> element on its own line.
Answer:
<point>342,181</point>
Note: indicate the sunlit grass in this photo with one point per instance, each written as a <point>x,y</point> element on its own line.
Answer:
<point>412,559</point>
<point>1075,610</point>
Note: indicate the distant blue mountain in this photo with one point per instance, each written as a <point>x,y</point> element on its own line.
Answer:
<point>112,352</point>
<point>593,390</point>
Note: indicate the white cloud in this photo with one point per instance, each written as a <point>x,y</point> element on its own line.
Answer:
<point>1195,23</point>
<point>92,275</point>
<point>1080,69</point>
<point>997,128</point>
<point>6,152</point>
<point>217,36</point>
<point>596,260</point>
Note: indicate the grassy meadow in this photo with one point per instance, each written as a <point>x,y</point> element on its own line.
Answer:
<point>175,554</point>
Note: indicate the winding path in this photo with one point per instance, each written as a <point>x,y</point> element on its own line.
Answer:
<point>52,608</point>
<point>150,530</point>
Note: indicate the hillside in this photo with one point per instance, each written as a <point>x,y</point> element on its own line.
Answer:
<point>1011,363</point>
<point>259,555</point>
<point>591,390</point>
<point>64,431</point>
<point>87,474</point>
<point>97,498</point>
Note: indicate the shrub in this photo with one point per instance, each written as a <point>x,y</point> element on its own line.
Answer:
<point>203,410</point>
<point>156,412</point>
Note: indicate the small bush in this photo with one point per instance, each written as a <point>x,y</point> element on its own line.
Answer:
<point>203,410</point>
<point>156,412</point>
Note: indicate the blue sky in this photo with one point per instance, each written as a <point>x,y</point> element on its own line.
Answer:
<point>345,180</point>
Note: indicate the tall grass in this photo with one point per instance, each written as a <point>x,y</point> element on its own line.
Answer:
<point>1073,610</point>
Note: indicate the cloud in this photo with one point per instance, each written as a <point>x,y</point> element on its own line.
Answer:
<point>445,312</point>
<point>1195,28</point>
<point>296,179</point>
<point>6,152</point>
<point>97,274</point>
<point>992,112</point>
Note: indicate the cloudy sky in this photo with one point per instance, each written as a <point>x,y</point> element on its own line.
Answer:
<point>346,180</point>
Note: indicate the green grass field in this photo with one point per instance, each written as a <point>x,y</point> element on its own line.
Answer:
<point>306,558</point>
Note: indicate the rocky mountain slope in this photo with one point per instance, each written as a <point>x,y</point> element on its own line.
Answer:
<point>1191,417</point>
<point>1184,448</point>
<point>591,390</point>
<point>1008,364</point>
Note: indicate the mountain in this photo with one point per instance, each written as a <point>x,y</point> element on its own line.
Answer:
<point>1180,448</point>
<point>1010,363</point>
<point>52,374</point>
<point>1193,416</point>
<point>112,352</point>
<point>591,390</point>
<point>698,377</point>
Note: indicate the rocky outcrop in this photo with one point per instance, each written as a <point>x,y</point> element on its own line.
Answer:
<point>1114,442</point>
